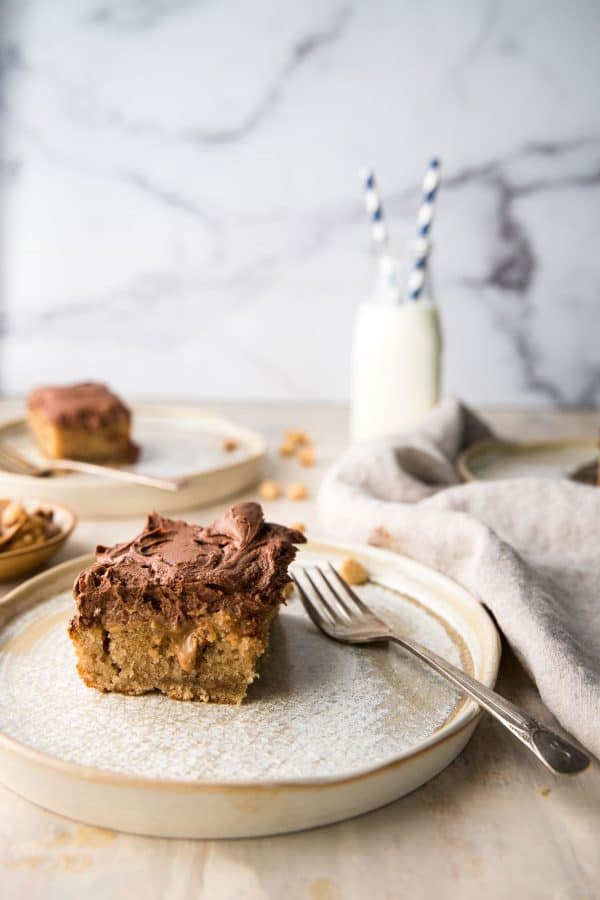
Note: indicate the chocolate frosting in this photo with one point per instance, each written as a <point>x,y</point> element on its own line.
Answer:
<point>89,403</point>
<point>238,563</point>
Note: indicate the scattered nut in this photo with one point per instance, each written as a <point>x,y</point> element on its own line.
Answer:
<point>12,513</point>
<point>288,590</point>
<point>269,490</point>
<point>353,571</point>
<point>287,448</point>
<point>229,445</point>
<point>299,526</point>
<point>297,491</point>
<point>306,456</point>
<point>296,438</point>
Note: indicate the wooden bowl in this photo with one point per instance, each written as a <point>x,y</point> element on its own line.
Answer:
<point>17,563</point>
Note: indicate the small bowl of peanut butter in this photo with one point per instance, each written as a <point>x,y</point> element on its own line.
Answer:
<point>31,532</point>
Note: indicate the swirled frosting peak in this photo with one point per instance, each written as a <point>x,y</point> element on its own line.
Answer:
<point>240,561</point>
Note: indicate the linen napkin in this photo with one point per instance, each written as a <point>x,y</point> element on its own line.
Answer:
<point>528,548</point>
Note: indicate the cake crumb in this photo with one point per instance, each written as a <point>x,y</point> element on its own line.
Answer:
<point>229,444</point>
<point>353,571</point>
<point>297,491</point>
<point>544,791</point>
<point>269,490</point>
<point>306,456</point>
<point>299,526</point>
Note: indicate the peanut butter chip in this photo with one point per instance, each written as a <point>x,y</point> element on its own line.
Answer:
<point>287,448</point>
<point>297,437</point>
<point>269,490</point>
<point>297,491</point>
<point>299,526</point>
<point>288,590</point>
<point>306,456</point>
<point>353,571</point>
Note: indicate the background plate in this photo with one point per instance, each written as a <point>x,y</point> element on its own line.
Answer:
<point>492,460</point>
<point>329,731</point>
<point>175,440</point>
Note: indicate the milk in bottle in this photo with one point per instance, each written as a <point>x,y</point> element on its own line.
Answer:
<point>396,364</point>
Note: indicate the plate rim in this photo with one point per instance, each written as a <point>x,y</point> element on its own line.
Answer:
<point>466,718</point>
<point>513,448</point>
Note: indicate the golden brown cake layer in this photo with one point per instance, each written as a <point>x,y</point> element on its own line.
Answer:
<point>102,445</point>
<point>212,661</point>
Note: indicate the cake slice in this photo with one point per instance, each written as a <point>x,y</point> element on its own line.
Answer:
<point>81,421</point>
<point>589,473</point>
<point>182,609</point>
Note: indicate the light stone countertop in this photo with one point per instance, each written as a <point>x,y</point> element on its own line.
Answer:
<point>493,824</point>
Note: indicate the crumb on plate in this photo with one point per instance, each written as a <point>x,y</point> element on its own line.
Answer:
<point>229,444</point>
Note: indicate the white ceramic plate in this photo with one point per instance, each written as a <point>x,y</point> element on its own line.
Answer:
<point>176,441</point>
<point>328,732</point>
<point>492,460</point>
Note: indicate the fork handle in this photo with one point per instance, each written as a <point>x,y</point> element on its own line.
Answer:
<point>75,465</point>
<point>555,752</point>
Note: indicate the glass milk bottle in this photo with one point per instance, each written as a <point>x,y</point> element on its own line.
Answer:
<point>396,356</point>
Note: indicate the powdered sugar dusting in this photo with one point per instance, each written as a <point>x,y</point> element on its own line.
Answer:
<point>320,709</point>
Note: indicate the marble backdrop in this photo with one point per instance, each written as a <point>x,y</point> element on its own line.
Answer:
<point>181,212</point>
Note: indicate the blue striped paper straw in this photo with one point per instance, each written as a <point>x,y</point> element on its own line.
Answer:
<point>431,183</point>
<point>374,208</point>
<point>387,265</point>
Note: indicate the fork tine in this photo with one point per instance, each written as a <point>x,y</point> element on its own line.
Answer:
<point>352,594</point>
<point>9,465</point>
<point>308,604</point>
<point>331,612</point>
<point>16,461</point>
<point>341,603</point>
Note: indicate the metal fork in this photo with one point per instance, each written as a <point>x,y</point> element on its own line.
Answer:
<point>12,461</point>
<point>341,614</point>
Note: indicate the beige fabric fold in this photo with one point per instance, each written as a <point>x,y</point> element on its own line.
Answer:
<point>528,548</point>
